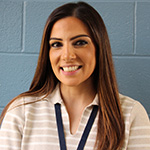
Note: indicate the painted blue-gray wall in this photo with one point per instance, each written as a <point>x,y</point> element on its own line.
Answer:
<point>128,25</point>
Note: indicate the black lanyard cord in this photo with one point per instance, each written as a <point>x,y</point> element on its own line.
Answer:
<point>86,130</point>
<point>60,128</point>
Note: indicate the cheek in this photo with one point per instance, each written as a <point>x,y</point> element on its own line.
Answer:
<point>52,60</point>
<point>92,60</point>
<point>52,57</point>
<point>90,57</point>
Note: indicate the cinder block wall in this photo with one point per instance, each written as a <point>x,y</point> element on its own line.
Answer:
<point>128,25</point>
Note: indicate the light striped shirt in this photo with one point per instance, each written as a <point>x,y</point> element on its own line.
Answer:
<point>33,126</point>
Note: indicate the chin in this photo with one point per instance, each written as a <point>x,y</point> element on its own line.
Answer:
<point>70,83</point>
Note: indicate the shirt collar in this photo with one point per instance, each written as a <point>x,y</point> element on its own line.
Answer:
<point>95,101</point>
<point>55,97</point>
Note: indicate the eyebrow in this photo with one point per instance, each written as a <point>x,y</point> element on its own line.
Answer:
<point>59,39</point>
<point>55,39</point>
<point>82,35</point>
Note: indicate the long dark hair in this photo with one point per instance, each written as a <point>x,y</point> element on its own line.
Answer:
<point>110,134</point>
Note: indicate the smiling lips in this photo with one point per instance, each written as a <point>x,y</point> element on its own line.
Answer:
<point>70,68</point>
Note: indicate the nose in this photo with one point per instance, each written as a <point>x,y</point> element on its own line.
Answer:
<point>68,53</point>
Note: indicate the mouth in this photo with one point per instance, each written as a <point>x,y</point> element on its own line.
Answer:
<point>70,68</point>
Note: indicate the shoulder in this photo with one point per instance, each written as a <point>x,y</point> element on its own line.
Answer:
<point>137,124</point>
<point>127,101</point>
<point>133,110</point>
<point>17,107</point>
<point>131,104</point>
<point>20,102</point>
<point>14,115</point>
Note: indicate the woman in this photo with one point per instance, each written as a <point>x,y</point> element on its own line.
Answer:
<point>73,101</point>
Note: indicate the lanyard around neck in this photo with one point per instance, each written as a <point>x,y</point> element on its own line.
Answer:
<point>85,134</point>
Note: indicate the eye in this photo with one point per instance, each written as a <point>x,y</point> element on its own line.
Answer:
<point>56,44</point>
<point>80,43</point>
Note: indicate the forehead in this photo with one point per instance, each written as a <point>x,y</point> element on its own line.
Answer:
<point>69,25</point>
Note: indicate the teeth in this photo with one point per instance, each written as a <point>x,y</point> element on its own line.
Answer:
<point>69,69</point>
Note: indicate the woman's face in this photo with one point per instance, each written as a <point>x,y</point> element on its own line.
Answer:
<point>72,52</point>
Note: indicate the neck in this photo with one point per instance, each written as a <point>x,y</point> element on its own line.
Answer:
<point>76,98</point>
<point>81,95</point>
